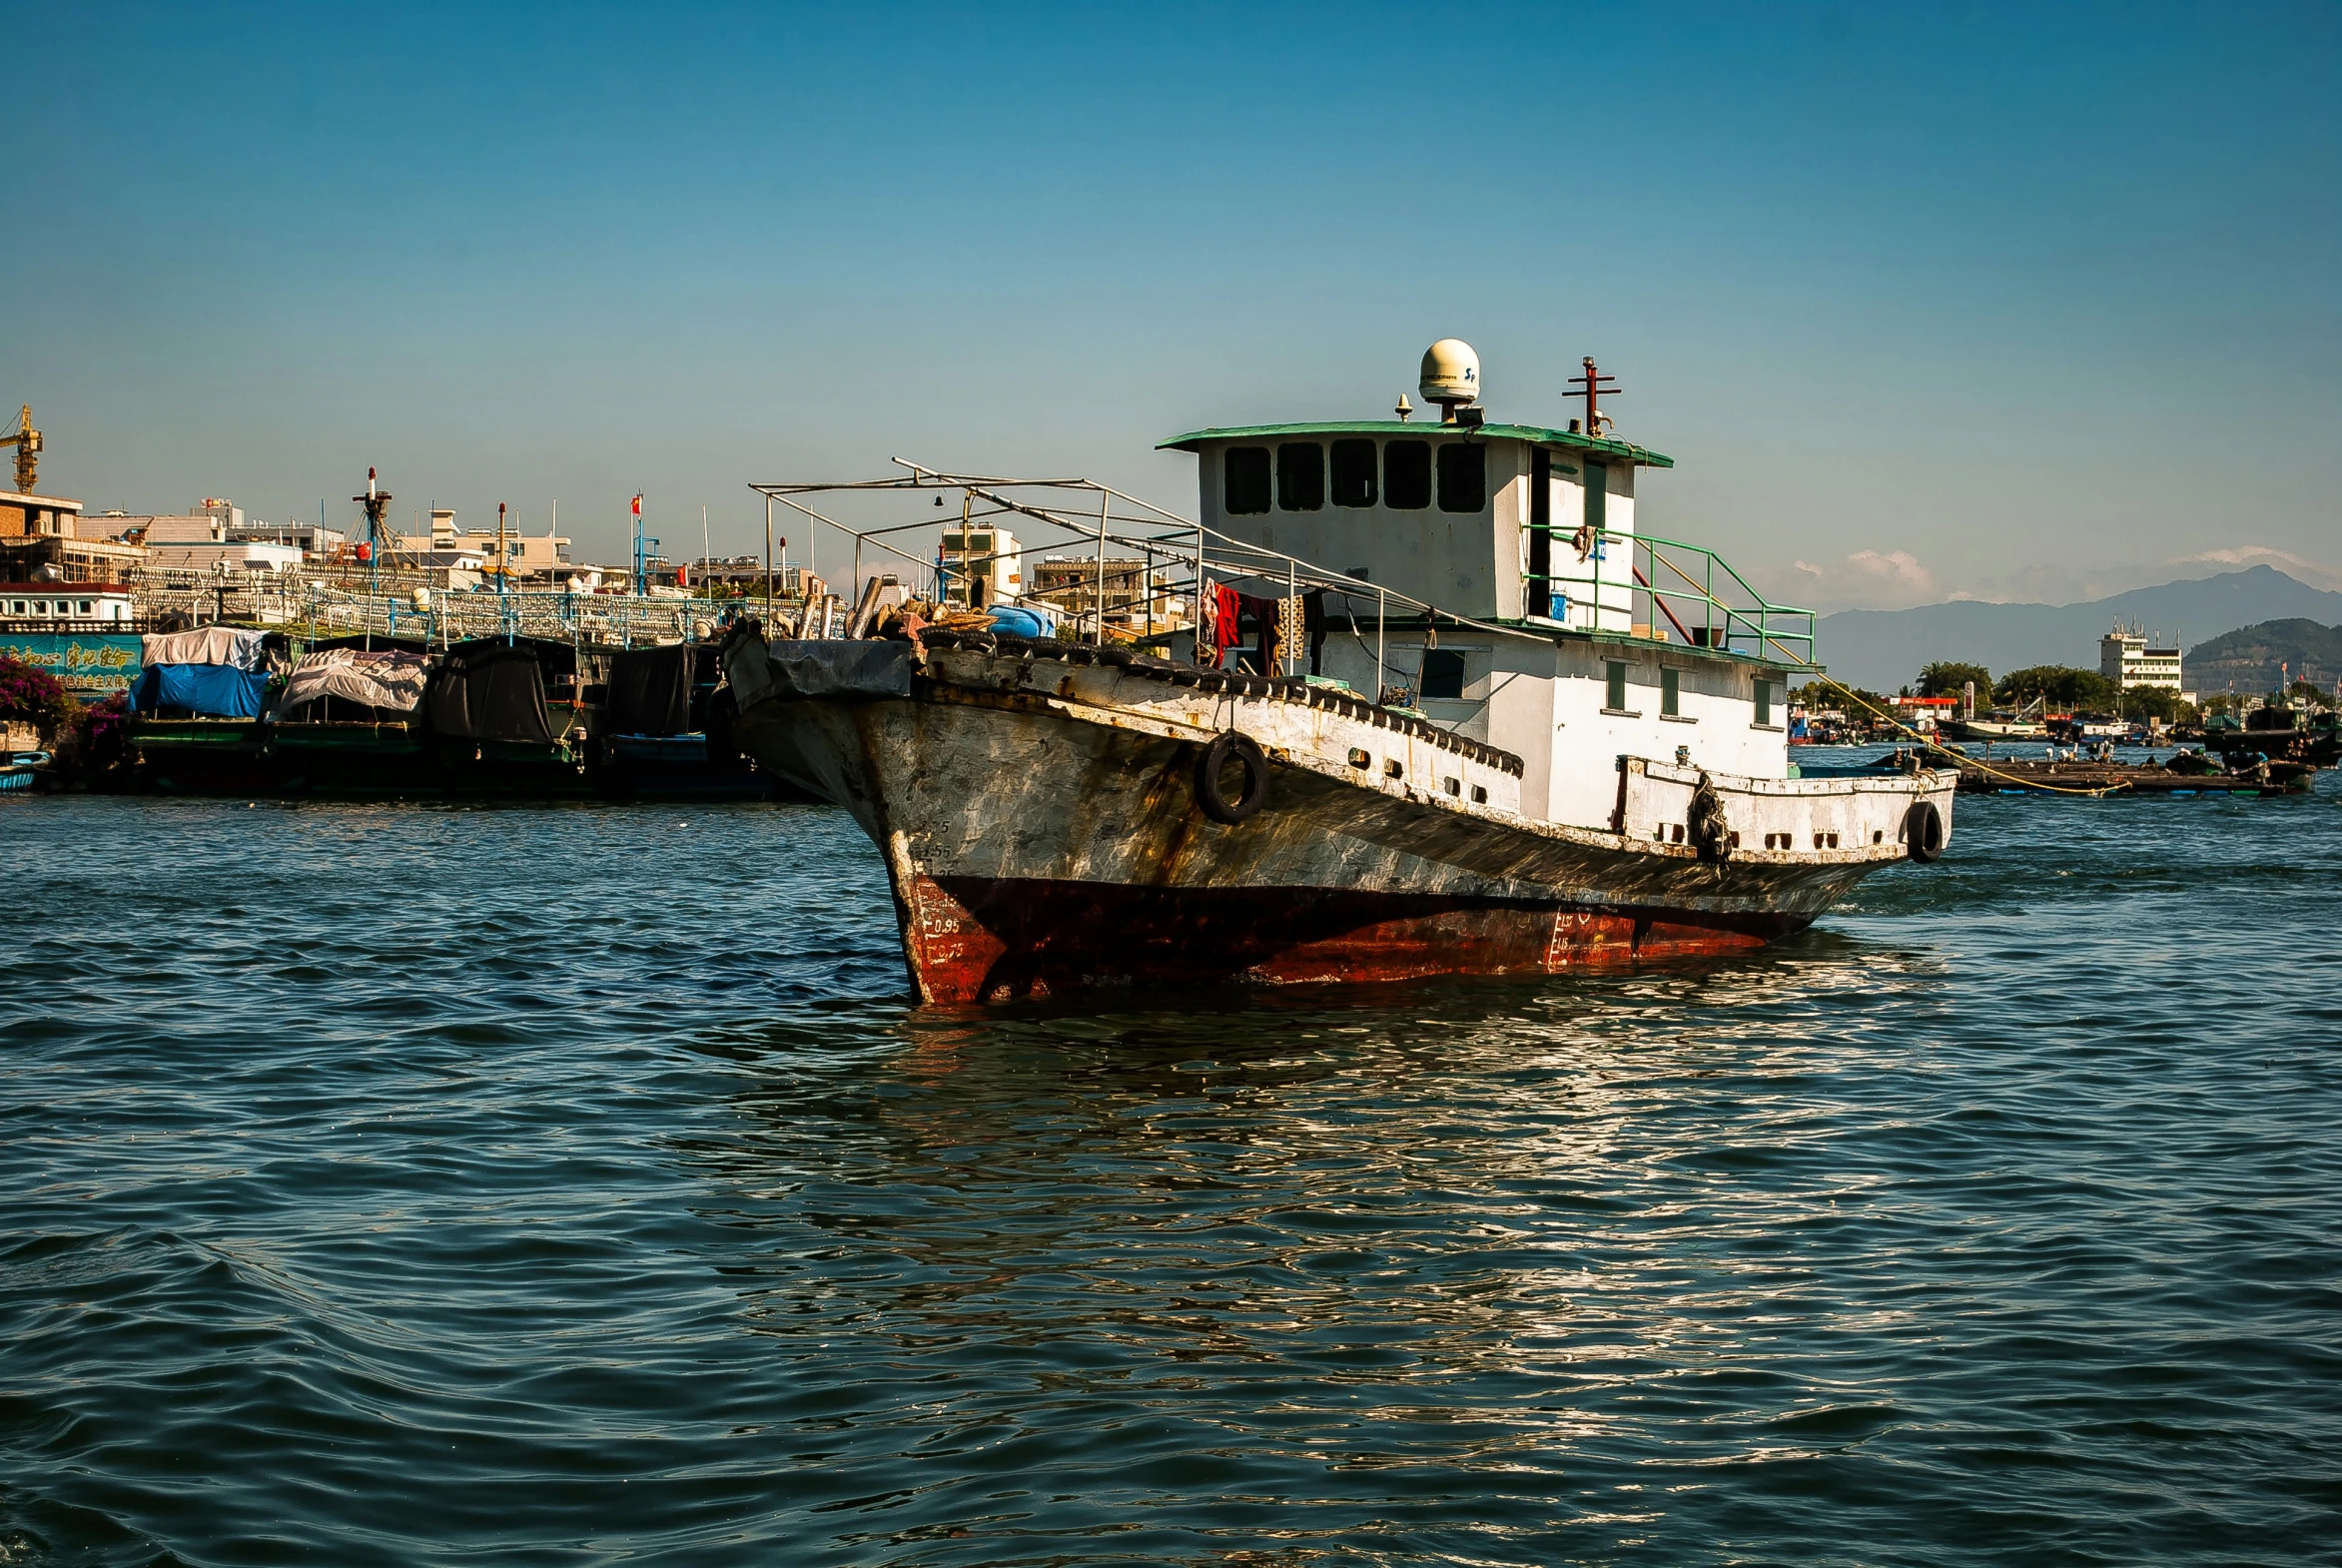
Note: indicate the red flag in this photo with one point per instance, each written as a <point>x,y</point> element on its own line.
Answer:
<point>637,503</point>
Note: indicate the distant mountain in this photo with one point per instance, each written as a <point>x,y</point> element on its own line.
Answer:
<point>2253,659</point>
<point>1884,650</point>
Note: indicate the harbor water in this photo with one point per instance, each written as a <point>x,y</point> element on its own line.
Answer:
<point>577,1185</point>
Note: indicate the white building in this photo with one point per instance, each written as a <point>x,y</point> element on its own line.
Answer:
<point>2127,658</point>
<point>981,565</point>
<point>543,554</point>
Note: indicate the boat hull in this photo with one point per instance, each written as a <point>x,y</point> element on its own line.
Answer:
<point>1041,831</point>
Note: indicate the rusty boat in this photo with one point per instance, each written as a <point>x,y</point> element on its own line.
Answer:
<point>1405,698</point>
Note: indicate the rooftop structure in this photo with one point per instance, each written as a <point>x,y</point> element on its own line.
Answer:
<point>45,538</point>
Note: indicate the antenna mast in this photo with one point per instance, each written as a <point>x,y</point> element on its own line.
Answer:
<point>1592,385</point>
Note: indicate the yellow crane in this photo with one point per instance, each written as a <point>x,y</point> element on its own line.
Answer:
<point>27,443</point>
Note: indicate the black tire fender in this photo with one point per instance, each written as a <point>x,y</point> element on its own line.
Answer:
<point>1208,793</point>
<point>1922,832</point>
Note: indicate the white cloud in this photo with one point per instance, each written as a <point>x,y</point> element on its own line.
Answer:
<point>2309,571</point>
<point>1867,579</point>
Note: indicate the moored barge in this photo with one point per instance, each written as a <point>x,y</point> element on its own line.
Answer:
<point>1572,753</point>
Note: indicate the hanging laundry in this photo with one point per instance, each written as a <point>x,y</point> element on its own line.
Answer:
<point>1227,610</point>
<point>1264,613</point>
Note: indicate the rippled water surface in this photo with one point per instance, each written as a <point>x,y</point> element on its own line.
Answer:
<point>577,1185</point>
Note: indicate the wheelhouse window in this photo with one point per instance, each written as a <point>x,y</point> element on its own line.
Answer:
<point>1353,474</point>
<point>1463,476</point>
<point>1301,476</point>
<point>1763,702</point>
<point>1407,476</point>
<point>1671,693</point>
<point>1614,685</point>
<point>1443,674</point>
<point>1245,480</point>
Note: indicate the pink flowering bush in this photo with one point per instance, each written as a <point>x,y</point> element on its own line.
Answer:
<point>32,695</point>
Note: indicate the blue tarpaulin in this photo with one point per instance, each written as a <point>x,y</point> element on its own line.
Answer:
<point>218,691</point>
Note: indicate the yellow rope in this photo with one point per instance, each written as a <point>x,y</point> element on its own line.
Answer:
<point>1964,761</point>
<point>1959,761</point>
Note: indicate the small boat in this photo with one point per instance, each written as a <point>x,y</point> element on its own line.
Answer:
<point>666,730</point>
<point>18,769</point>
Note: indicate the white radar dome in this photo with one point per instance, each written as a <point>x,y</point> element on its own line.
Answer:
<point>1451,372</point>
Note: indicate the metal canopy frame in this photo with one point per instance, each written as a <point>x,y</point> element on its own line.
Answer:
<point>1088,512</point>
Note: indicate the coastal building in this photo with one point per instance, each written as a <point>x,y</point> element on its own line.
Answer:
<point>2128,657</point>
<point>980,565</point>
<point>543,554</point>
<point>1925,714</point>
<point>45,538</point>
<point>202,545</point>
<point>1137,597</point>
<point>318,544</point>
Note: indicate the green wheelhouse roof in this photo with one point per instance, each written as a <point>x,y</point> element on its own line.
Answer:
<point>1569,440</point>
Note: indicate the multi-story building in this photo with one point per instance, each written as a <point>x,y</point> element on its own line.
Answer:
<point>1137,599</point>
<point>2127,657</point>
<point>543,554</point>
<point>45,538</point>
<point>979,564</point>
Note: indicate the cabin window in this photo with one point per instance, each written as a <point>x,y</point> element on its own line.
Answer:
<point>1244,472</point>
<point>1407,476</point>
<point>1353,474</point>
<point>1671,693</point>
<point>1763,702</point>
<point>1463,476</point>
<point>1301,476</point>
<point>1597,496</point>
<point>85,606</point>
<point>1443,674</point>
<point>1614,685</point>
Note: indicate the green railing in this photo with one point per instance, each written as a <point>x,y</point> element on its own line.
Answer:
<point>1669,592</point>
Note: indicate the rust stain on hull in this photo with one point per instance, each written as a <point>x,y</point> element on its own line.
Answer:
<point>974,939</point>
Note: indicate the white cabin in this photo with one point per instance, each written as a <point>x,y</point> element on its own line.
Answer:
<point>1594,641</point>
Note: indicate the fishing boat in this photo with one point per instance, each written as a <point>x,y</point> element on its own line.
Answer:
<point>666,730</point>
<point>1487,725</point>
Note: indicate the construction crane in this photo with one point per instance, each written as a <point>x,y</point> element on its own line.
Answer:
<point>27,443</point>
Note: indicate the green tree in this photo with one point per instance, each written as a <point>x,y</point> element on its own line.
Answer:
<point>2153,702</point>
<point>1948,677</point>
<point>2061,686</point>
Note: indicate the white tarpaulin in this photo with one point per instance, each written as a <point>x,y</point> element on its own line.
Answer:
<point>229,645</point>
<point>389,679</point>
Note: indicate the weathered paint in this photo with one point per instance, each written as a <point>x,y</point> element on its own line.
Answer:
<point>972,938</point>
<point>1039,827</point>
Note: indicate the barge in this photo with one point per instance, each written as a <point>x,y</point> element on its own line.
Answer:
<point>1487,727</point>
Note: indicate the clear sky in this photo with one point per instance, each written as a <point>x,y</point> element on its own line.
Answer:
<point>1925,299</point>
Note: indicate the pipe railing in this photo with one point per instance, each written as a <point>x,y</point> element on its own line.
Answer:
<point>1667,581</point>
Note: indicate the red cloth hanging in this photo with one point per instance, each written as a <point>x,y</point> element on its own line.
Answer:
<point>1225,609</point>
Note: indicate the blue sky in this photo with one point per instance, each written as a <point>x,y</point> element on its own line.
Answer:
<point>1924,300</point>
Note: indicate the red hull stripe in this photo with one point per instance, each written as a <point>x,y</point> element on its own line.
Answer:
<point>974,938</point>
